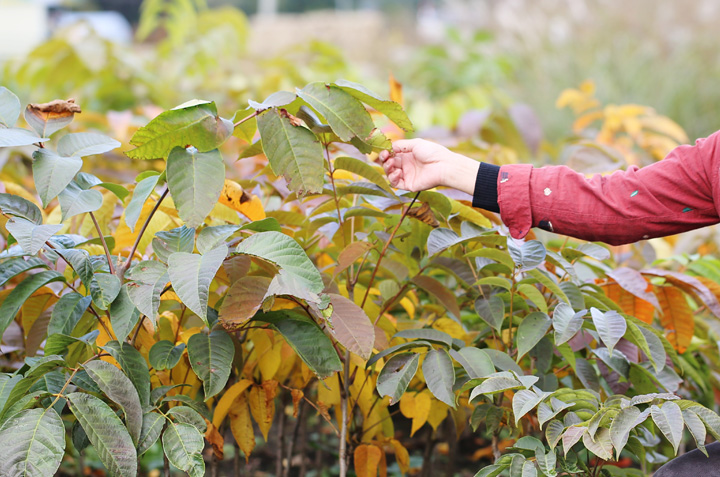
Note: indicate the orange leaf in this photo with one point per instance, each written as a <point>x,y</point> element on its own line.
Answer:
<point>367,460</point>
<point>237,199</point>
<point>396,92</point>
<point>297,396</point>
<point>241,426</point>
<point>216,440</point>
<point>629,303</point>
<point>633,281</point>
<point>677,317</point>
<point>244,298</point>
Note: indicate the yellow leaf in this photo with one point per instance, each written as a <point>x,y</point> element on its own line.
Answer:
<point>367,459</point>
<point>222,214</point>
<point>416,407</point>
<point>468,213</point>
<point>35,305</point>
<point>401,456</point>
<point>288,359</point>
<point>186,334</point>
<point>241,426</point>
<point>270,361</point>
<point>168,325</point>
<point>329,391</point>
<point>677,317</point>
<point>227,399</point>
<point>451,327</point>
<point>237,199</point>
<point>438,412</point>
<point>124,238</point>
<point>262,409</point>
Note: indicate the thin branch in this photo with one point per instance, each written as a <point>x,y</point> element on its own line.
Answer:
<point>385,248</point>
<point>142,231</point>
<point>137,330</point>
<point>255,114</point>
<point>104,243</point>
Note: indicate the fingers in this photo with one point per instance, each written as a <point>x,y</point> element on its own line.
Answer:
<point>405,145</point>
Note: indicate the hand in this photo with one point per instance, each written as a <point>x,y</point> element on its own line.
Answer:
<point>418,164</point>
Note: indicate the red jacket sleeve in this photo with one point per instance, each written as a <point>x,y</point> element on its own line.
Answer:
<point>677,194</point>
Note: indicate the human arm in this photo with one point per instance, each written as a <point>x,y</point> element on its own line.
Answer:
<point>677,194</point>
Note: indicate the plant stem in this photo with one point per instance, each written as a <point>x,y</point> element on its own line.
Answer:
<point>385,248</point>
<point>124,269</point>
<point>279,451</point>
<point>137,330</point>
<point>104,243</point>
<point>335,196</point>
<point>344,412</point>
<point>255,114</point>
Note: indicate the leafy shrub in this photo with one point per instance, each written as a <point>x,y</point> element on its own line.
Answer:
<point>182,306</point>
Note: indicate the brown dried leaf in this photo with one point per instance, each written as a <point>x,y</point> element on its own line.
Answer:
<point>243,300</point>
<point>215,439</point>
<point>351,326</point>
<point>297,396</point>
<point>55,108</point>
<point>424,214</point>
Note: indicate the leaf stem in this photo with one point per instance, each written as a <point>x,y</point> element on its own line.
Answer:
<point>344,412</point>
<point>140,234</point>
<point>104,243</point>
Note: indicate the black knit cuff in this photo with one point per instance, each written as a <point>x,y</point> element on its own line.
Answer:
<point>486,194</point>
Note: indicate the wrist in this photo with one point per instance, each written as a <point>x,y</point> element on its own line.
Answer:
<point>460,172</point>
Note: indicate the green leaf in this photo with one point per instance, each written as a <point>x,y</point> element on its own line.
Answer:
<point>85,144</point>
<point>439,375</point>
<point>146,280</point>
<point>553,432</point>
<point>192,274</point>
<point>211,357</point>
<point>611,326</point>
<point>669,419</point>
<point>11,304</point>
<point>531,330</point>
<point>307,339</point>
<point>123,314</point>
<point>47,123</point>
<point>183,445</point>
<point>59,343</point>
<point>362,168</point>
<point>32,443</point>
<point>142,192</point>
<point>351,326</point>
<point>493,254</point>
<point>165,355</point>
<point>15,266</point>
<point>106,432</point>
<point>491,471</point>
<point>395,349</point>
<point>153,423</point>
<point>198,406</point>
<point>649,343</point>
<point>395,376</point>
<point>621,426</point>
<point>10,108</point>
<point>211,237</point>
<point>710,418</point>
<point>491,311</point>
<point>195,180</point>
<point>697,428</point>
<point>548,283</point>
<point>566,322</point>
<point>523,402</point>
<point>118,387</point>
<point>495,384</point>
<point>188,415</point>
<point>503,361</point>
<point>600,445</point>
<point>18,207</point>
<point>572,435</point>
<point>30,236</point>
<point>426,334</point>
<point>74,201</point>
<point>476,362</point>
<point>586,374</point>
<point>135,367</point>
<point>16,137</point>
<point>293,152</point>
<point>67,313</point>
<point>618,362</point>
<point>284,252</point>
<point>269,224</point>
<point>80,262</point>
<point>7,383</point>
<point>52,173</point>
<point>391,109</point>
<point>279,98</point>
<point>527,256</point>
<point>167,242</point>
<point>104,288</point>
<point>198,125</point>
<point>347,117</point>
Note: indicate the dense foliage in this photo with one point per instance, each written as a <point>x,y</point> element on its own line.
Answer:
<point>200,306</point>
